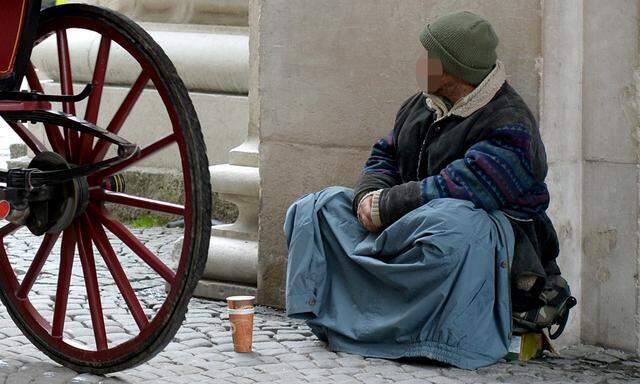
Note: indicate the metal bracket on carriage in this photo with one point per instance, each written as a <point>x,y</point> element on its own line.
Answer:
<point>14,201</point>
<point>41,97</point>
<point>20,189</point>
<point>126,149</point>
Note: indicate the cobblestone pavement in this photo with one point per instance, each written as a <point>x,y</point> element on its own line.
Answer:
<point>285,350</point>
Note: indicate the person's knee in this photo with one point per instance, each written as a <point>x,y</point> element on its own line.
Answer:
<point>337,199</point>
<point>339,190</point>
<point>454,215</point>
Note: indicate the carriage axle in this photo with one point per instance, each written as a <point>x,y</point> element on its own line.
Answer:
<point>48,208</point>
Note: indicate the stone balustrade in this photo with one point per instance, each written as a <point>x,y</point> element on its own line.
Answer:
<point>211,12</point>
<point>207,59</point>
<point>208,42</point>
<point>213,61</point>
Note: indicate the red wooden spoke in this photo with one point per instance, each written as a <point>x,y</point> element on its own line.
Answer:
<point>33,80</point>
<point>28,137</point>
<point>67,251</point>
<point>6,272</point>
<point>133,243</point>
<point>8,229</point>
<point>36,266</point>
<point>145,152</point>
<point>121,115</point>
<point>91,284</point>
<point>53,133</point>
<point>136,201</point>
<point>119,276</point>
<point>66,86</point>
<point>66,80</point>
<point>93,104</point>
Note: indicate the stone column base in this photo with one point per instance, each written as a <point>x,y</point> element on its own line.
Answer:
<point>211,289</point>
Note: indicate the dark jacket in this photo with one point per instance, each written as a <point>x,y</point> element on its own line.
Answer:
<point>493,156</point>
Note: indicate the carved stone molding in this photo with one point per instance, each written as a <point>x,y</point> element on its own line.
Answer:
<point>211,12</point>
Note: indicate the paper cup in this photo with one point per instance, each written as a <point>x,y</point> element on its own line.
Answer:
<point>242,329</point>
<point>240,302</point>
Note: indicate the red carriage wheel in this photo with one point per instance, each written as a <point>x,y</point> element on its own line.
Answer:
<point>85,226</point>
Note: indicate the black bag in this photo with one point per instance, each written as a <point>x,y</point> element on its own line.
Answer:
<point>555,303</point>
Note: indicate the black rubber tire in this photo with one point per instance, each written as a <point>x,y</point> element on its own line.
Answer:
<point>200,185</point>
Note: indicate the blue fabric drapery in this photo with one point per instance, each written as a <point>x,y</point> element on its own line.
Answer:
<point>432,284</point>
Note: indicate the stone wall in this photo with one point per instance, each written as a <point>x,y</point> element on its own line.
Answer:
<point>561,128</point>
<point>330,83</point>
<point>610,181</point>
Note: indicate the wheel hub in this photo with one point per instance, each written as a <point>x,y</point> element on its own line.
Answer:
<point>68,200</point>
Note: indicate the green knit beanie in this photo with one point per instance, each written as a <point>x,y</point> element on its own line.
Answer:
<point>464,42</point>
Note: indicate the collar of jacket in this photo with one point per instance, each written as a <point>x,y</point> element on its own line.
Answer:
<point>475,100</point>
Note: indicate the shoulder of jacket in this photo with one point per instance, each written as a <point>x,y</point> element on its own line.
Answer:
<point>508,107</point>
<point>412,100</point>
<point>414,103</point>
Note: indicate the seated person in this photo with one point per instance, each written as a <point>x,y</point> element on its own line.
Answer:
<point>418,258</point>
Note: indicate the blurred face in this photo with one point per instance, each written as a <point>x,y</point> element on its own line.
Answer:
<point>429,73</point>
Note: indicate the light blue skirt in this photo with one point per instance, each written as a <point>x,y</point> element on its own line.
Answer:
<point>433,284</point>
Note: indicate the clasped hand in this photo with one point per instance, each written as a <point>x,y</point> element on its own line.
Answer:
<point>364,214</point>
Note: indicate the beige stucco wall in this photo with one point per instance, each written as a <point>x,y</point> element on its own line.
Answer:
<point>330,78</point>
<point>610,187</point>
<point>328,84</point>
<point>561,129</point>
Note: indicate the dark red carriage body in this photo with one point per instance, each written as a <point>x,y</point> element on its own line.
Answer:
<point>18,21</point>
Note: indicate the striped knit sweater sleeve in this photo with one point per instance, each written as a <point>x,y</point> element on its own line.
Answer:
<point>380,170</point>
<point>495,173</point>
